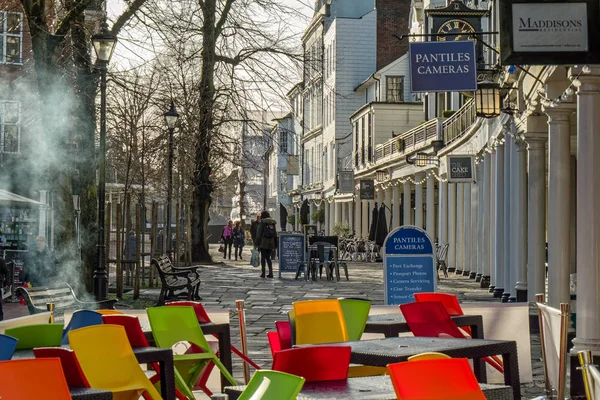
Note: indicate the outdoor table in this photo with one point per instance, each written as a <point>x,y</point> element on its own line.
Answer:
<point>224,338</point>
<point>144,355</point>
<point>365,388</point>
<point>80,393</point>
<point>391,325</point>
<point>381,352</point>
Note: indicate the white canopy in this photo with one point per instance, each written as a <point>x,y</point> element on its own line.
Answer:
<point>7,197</point>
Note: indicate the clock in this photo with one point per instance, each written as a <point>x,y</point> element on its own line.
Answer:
<point>456,29</point>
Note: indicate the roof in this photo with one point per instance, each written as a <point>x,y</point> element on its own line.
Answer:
<point>7,197</point>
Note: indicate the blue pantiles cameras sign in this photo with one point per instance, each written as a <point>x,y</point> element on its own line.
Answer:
<point>443,66</point>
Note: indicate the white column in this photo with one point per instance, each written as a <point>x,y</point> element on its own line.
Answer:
<point>493,183</point>
<point>419,200</point>
<point>312,211</point>
<point>509,155</point>
<point>395,207</point>
<point>443,214</point>
<point>474,231</point>
<point>520,286</point>
<point>430,207</point>
<point>588,217</point>
<point>467,229</point>
<point>407,208</point>
<point>388,202</point>
<point>344,217</point>
<point>366,215</point>
<point>460,226</point>
<point>357,218</point>
<point>328,216</point>
<point>43,213</point>
<point>536,218</point>
<point>499,221</point>
<point>452,226</point>
<point>379,196</point>
<point>480,222</point>
<point>487,180</point>
<point>559,205</point>
<point>337,215</point>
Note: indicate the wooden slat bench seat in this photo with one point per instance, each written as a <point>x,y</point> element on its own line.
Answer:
<point>176,278</point>
<point>62,296</point>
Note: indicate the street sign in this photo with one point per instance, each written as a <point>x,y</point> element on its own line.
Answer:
<point>367,189</point>
<point>408,264</point>
<point>292,251</point>
<point>346,182</point>
<point>461,168</point>
<point>443,66</point>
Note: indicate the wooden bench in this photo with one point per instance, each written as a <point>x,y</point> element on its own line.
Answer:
<point>176,278</point>
<point>62,296</point>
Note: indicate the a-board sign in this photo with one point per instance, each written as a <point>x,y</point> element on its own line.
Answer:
<point>461,168</point>
<point>408,264</point>
<point>292,251</point>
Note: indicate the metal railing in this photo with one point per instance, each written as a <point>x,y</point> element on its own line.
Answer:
<point>418,137</point>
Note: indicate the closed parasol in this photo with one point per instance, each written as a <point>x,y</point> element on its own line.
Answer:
<point>373,228</point>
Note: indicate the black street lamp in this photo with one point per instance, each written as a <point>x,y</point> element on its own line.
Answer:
<point>171,117</point>
<point>104,43</point>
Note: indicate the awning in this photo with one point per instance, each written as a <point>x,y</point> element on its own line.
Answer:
<point>7,197</point>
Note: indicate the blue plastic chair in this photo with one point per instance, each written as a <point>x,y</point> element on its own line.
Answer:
<point>81,319</point>
<point>8,344</point>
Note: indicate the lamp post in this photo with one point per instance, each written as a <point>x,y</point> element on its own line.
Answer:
<point>171,117</point>
<point>487,99</point>
<point>104,43</point>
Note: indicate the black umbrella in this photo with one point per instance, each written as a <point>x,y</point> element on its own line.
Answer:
<point>382,229</point>
<point>374,219</point>
<point>304,210</point>
<point>283,215</point>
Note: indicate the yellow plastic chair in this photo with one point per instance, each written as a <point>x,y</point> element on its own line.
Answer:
<point>108,362</point>
<point>319,321</point>
<point>431,355</point>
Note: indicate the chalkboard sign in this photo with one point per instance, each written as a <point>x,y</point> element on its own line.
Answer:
<point>460,168</point>
<point>408,265</point>
<point>310,230</point>
<point>367,189</point>
<point>292,250</point>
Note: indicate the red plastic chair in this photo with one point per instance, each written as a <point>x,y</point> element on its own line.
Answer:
<point>284,330</point>
<point>430,319</point>
<point>443,379</point>
<point>449,301</point>
<point>70,365</point>
<point>136,338</point>
<point>274,342</point>
<point>314,363</point>
<point>33,379</point>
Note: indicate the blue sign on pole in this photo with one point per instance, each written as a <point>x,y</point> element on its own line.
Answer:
<point>443,66</point>
<point>408,265</point>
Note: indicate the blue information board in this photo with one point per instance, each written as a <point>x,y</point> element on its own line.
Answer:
<point>443,66</point>
<point>408,265</point>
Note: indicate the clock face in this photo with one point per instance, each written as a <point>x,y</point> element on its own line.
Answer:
<point>457,30</point>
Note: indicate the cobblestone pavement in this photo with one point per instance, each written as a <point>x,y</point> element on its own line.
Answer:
<point>268,300</point>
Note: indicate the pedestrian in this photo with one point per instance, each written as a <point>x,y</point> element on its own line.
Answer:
<point>227,237</point>
<point>4,280</point>
<point>40,265</point>
<point>253,229</point>
<point>266,241</point>
<point>238,239</point>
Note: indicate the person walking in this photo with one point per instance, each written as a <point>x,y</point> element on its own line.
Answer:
<point>253,229</point>
<point>238,239</point>
<point>266,241</point>
<point>227,237</point>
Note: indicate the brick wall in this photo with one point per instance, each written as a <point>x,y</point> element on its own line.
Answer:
<point>392,19</point>
<point>10,73</point>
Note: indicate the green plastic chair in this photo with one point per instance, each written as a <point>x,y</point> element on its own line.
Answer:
<point>272,385</point>
<point>38,335</point>
<point>171,325</point>
<point>355,313</point>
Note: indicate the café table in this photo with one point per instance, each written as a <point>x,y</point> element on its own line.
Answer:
<point>365,388</point>
<point>80,393</point>
<point>381,352</point>
<point>144,355</point>
<point>391,325</point>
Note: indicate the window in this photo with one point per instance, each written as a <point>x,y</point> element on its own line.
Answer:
<point>11,35</point>
<point>283,141</point>
<point>9,127</point>
<point>356,144</point>
<point>394,86</point>
<point>370,138</point>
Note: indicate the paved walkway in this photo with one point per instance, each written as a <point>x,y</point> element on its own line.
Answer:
<point>268,300</point>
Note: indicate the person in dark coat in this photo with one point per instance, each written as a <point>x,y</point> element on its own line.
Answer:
<point>238,239</point>
<point>4,279</point>
<point>266,241</point>
<point>253,229</point>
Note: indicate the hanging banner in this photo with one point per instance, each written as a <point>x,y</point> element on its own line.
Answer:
<point>443,66</point>
<point>461,168</point>
<point>408,265</point>
<point>346,182</point>
<point>367,189</point>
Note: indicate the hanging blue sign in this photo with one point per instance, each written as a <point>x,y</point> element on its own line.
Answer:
<point>443,66</point>
<point>408,264</point>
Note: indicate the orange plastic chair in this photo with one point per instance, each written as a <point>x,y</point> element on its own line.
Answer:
<point>442,379</point>
<point>314,363</point>
<point>68,360</point>
<point>108,362</point>
<point>430,319</point>
<point>432,355</point>
<point>33,379</point>
<point>319,321</point>
<point>449,301</point>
